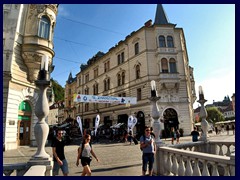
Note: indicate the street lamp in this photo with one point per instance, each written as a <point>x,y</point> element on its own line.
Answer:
<point>203,115</point>
<point>155,112</point>
<point>41,128</point>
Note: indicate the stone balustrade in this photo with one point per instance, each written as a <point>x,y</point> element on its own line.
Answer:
<point>186,162</point>
<point>23,169</point>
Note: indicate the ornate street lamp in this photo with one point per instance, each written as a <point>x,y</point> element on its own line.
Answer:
<point>155,112</point>
<point>203,115</point>
<point>41,128</point>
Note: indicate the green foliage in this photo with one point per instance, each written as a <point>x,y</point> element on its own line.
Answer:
<point>58,91</point>
<point>214,115</point>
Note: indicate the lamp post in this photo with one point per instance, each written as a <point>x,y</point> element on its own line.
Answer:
<point>41,128</point>
<point>203,115</point>
<point>155,113</point>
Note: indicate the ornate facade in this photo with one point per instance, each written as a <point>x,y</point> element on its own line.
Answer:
<point>27,36</point>
<point>157,51</point>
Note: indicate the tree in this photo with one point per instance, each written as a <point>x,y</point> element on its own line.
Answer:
<point>58,91</point>
<point>214,115</point>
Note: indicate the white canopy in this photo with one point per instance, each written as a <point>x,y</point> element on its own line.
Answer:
<point>118,125</point>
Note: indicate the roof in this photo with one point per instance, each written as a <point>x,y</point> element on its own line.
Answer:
<point>161,17</point>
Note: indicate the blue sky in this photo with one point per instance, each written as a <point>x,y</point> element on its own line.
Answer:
<point>84,29</point>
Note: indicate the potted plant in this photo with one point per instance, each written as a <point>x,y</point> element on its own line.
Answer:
<point>181,132</point>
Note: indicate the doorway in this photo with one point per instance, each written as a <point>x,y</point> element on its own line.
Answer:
<point>24,123</point>
<point>170,120</point>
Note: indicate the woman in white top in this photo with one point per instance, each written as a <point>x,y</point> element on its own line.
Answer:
<point>84,153</point>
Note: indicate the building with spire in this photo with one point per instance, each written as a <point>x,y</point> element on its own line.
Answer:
<point>156,51</point>
<point>27,37</point>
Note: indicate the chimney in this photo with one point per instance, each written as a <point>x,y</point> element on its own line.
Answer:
<point>148,23</point>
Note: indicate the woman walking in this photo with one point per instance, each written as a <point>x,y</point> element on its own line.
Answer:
<point>84,153</point>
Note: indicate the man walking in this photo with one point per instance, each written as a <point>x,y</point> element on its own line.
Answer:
<point>58,154</point>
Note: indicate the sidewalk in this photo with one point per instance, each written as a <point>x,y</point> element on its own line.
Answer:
<point>116,159</point>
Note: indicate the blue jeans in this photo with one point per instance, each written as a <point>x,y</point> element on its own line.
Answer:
<point>147,158</point>
<point>64,167</point>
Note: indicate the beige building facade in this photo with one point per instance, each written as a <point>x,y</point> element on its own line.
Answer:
<point>27,37</point>
<point>157,51</point>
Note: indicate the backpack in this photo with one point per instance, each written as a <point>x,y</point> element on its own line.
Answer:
<point>144,138</point>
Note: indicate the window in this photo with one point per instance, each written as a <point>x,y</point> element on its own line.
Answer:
<point>69,91</point>
<point>137,72</point>
<point>119,79</point>
<point>123,77</point>
<point>86,107</point>
<point>86,91</point>
<point>119,59</point>
<point>95,89</point>
<point>122,57</point>
<point>139,94</point>
<point>106,66</point>
<point>162,41</point>
<point>170,41</point>
<point>86,78</point>
<point>96,73</point>
<point>79,81</point>
<point>136,47</point>
<point>44,27</point>
<point>172,64</point>
<point>106,84</point>
<point>164,65</point>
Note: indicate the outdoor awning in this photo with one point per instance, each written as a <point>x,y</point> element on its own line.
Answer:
<point>118,125</point>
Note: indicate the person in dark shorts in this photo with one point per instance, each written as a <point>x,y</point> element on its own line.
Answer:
<point>195,134</point>
<point>59,159</point>
<point>84,153</point>
<point>148,146</point>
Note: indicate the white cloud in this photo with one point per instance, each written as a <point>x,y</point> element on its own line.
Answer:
<point>215,88</point>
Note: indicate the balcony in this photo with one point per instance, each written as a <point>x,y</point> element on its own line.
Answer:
<point>169,80</point>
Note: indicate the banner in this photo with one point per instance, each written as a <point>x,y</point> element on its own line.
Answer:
<point>97,123</point>
<point>80,124</point>
<point>104,99</point>
<point>130,121</point>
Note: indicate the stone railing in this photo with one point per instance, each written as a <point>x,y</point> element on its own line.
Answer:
<point>23,169</point>
<point>196,159</point>
<point>18,169</point>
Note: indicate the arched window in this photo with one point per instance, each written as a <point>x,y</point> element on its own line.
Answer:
<point>136,47</point>
<point>137,72</point>
<point>44,27</point>
<point>164,65</point>
<point>170,41</point>
<point>123,77</point>
<point>172,64</point>
<point>162,42</point>
<point>119,79</point>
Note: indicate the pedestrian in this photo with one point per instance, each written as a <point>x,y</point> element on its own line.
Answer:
<point>227,129</point>
<point>130,136</point>
<point>148,146</point>
<point>216,130</point>
<point>172,134</point>
<point>177,136</point>
<point>195,134</point>
<point>84,153</point>
<point>58,154</point>
<point>233,129</point>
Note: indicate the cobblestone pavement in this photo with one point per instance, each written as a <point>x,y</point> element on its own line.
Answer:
<point>116,159</point>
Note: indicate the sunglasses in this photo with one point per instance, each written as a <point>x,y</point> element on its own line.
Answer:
<point>148,130</point>
<point>60,133</point>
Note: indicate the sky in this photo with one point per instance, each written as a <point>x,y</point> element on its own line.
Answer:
<point>84,29</point>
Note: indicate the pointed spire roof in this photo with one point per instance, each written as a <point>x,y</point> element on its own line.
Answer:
<point>161,17</point>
